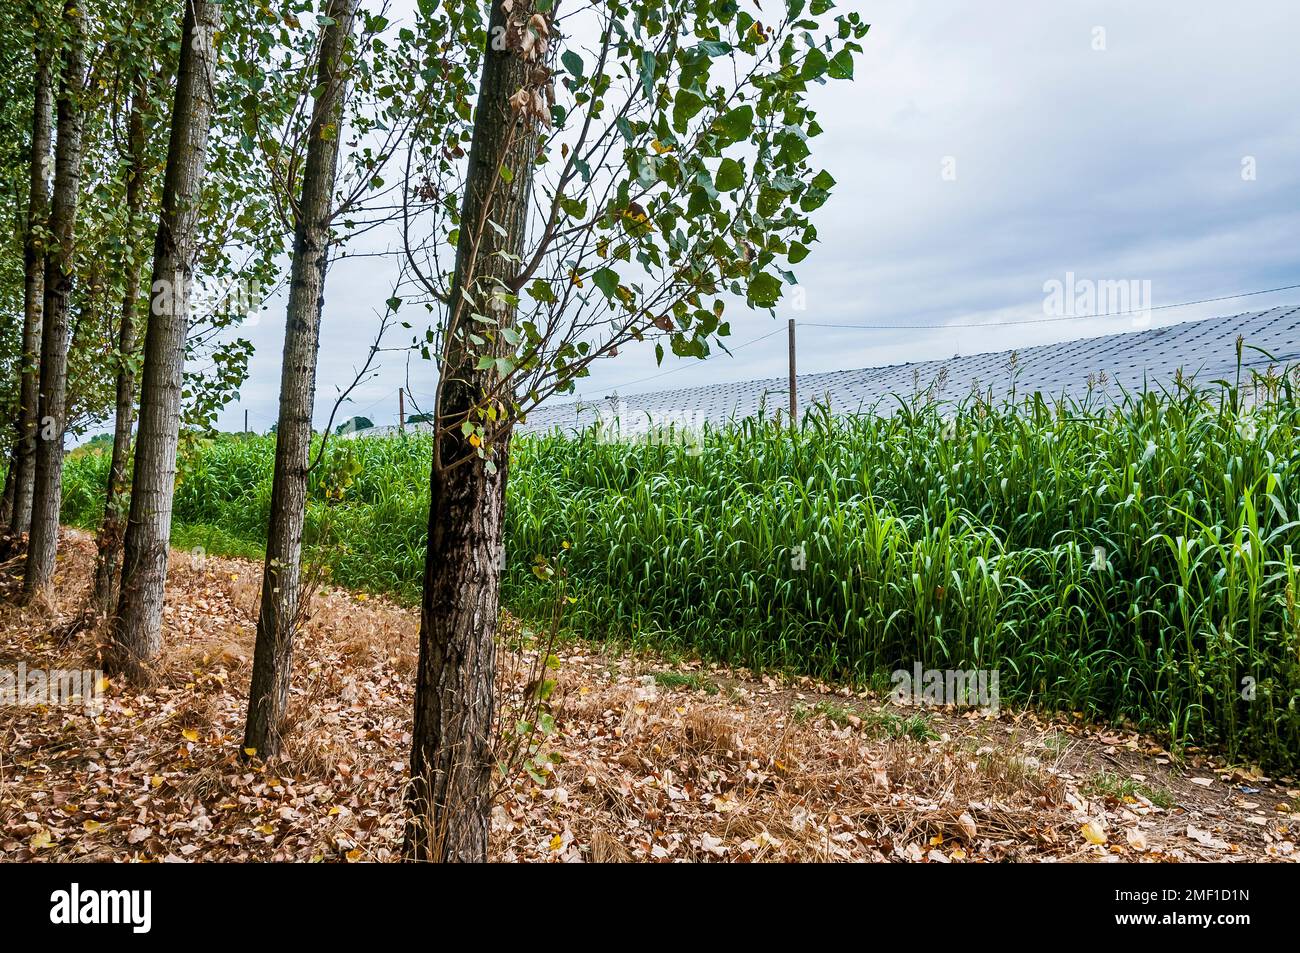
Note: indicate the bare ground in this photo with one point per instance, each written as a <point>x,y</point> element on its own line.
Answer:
<point>647,761</point>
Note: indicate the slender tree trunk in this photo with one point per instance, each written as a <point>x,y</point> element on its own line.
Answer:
<point>113,526</point>
<point>38,208</point>
<point>451,749</point>
<point>11,473</point>
<point>137,627</point>
<point>282,574</point>
<point>59,275</point>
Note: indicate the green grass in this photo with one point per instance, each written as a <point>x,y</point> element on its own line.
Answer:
<point>213,540</point>
<point>881,723</point>
<point>1121,788</point>
<point>915,726</point>
<point>1134,563</point>
<point>1056,743</point>
<point>834,712</point>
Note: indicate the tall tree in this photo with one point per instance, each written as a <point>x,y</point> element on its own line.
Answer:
<point>137,627</point>
<point>627,203</point>
<point>282,572</point>
<point>113,526</point>
<point>451,754</point>
<point>59,276</point>
<point>38,203</point>
<point>22,26</point>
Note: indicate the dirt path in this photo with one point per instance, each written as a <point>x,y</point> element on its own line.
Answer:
<point>646,761</point>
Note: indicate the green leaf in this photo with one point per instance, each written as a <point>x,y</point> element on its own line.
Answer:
<point>764,290</point>
<point>574,208</point>
<point>648,74</point>
<point>842,65</point>
<point>738,123</point>
<point>541,290</point>
<point>731,176</point>
<point>606,279</point>
<point>686,106</point>
<point>714,48</point>
<point>814,66</point>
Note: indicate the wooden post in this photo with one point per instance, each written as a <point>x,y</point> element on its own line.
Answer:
<point>794,389</point>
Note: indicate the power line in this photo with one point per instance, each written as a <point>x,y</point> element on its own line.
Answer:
<point>1003,324</point>
<point>366,410</point>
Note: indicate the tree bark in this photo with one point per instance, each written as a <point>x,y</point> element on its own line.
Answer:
<point>38,209</point>
<point>452,744</point>
<point>137,627</point>
<point>282,573</point>
<point>60,264</point>
<point>113,525</point>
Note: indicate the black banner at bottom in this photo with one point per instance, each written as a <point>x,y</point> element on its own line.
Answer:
<point>138,904</point>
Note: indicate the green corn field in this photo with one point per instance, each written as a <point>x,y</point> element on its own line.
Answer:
<point>1132,558</point>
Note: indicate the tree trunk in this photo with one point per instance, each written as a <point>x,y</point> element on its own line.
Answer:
<point>60,263</point>
<point>282,573</point>
<point>451,754</point>
<point>452,744</point>
<point>137,628</point>
<point>38,208</point>
<point>11,472</point>
<point>113,526</point>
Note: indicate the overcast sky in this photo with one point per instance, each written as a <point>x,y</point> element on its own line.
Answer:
<point>1107,139</point>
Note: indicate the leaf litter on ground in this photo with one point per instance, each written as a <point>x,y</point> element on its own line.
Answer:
<point>646,761</point>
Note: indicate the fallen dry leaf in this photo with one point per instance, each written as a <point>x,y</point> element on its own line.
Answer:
<point>1206,838</point>
<point>1094,833</point>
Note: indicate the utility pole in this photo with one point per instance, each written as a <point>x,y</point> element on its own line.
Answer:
<point>401,409</point>
<point>245,421</point>
<point>794,389</point>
